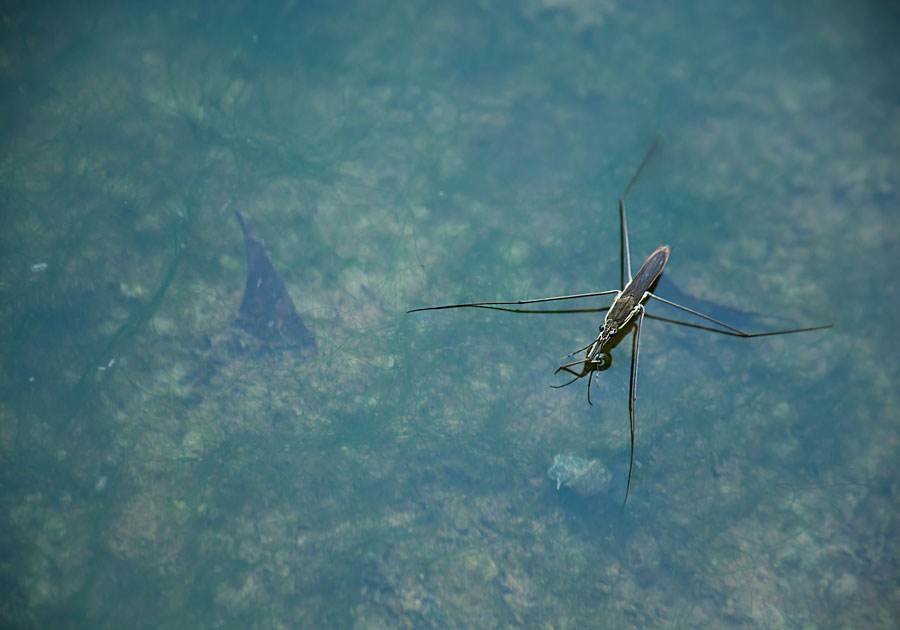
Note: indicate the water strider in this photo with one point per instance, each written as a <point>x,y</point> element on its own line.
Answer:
<point>626,314</point>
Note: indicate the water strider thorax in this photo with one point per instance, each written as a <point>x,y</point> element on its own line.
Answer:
<point>628,301</point>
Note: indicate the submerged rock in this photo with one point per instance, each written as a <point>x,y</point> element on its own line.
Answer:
<point>585,477</point>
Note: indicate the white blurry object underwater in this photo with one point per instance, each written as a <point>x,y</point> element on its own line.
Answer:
<point>585,477</point>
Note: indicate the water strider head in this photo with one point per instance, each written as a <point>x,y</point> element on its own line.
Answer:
<point>597,357</point>
<point>607,332</point>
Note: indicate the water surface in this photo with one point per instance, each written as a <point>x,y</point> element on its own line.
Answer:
<point>400,154</point>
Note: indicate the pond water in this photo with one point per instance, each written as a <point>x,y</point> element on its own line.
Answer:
<point>160,468</point>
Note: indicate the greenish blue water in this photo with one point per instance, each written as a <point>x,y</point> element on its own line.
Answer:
<point>401,154</point>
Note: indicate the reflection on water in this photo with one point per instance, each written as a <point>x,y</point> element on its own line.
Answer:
<point>394,155</point>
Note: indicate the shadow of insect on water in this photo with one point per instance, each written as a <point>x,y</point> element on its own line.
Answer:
<point>267,311</point>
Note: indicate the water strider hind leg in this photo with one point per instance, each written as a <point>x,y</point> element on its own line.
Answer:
<point>731,330</point>
<point>624,245</point>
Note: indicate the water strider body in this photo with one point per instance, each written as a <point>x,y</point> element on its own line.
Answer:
<point>628,304</point>
<point>625,315</point>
